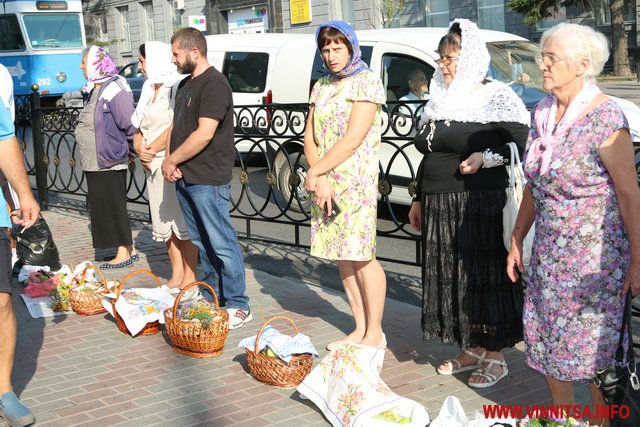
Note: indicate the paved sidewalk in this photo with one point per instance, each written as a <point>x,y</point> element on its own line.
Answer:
<point>75,370</point>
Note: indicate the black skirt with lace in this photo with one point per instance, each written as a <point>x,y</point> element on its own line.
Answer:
<point>467,296</point>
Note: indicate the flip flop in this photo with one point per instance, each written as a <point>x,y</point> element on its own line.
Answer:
<point>122,264</point>
<point>459,368</point>
<point>134,257</point>
<point>484,373</point>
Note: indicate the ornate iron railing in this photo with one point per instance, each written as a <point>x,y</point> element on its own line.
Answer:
<point>268,177</point>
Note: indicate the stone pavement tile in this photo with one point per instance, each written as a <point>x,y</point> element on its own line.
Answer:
<point>67,421</point>
<point>80,408</point>
<point>143,421</point>
<point>106,421</point>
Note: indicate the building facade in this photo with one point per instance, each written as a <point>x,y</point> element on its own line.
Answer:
<point>122,25</point>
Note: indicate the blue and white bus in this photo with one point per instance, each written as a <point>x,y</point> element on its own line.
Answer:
<point>41,42</point>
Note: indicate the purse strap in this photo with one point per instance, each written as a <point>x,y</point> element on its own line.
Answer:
<point>515,170</point>
<point>626,325</point>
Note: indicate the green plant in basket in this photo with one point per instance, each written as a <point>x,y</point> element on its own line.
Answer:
<point>60,296</point>
<point>202,311</point>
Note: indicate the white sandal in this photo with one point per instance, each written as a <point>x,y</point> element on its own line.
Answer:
<point>459,368</point>
<point>484,373</point>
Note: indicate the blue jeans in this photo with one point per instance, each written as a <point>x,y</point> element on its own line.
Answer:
<point>206,213</point>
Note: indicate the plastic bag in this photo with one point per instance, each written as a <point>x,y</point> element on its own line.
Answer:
<point>40,284</point>
<point>35,246</point>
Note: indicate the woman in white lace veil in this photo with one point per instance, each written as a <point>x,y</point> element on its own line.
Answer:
<point>153,117</point>
<point>468,97</point>
<point>467,296</point>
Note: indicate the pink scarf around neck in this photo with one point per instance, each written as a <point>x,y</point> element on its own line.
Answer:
<point>541,150</point>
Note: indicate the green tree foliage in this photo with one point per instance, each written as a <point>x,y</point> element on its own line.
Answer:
<point>536,10</point>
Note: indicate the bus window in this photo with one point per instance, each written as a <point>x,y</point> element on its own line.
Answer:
<point>53,30</point>
<point>10,35</point>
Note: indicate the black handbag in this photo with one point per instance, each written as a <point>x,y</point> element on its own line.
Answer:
<point>35,246</point>
<point>620,385</point>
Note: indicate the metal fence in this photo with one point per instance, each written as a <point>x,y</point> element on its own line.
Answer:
<point>268,178</point>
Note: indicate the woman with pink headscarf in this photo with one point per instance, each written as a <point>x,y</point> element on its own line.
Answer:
<point>103,133</point>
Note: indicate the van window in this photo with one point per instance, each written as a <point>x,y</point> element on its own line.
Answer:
<point>395,74</point>
<point>10,35</point>
<point>246,71</point>
<point>319,70</point>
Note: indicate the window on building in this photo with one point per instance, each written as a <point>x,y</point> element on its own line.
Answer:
<point>177,10</point>
<point>491,14</point>
<point>148,29</point>
<point>103,29</point>
<point>124,33</point>
<point>559,16</point>
<point>437,13</point>
<point>10,34</point>
<point>348,12</point>
<point>603,12</point>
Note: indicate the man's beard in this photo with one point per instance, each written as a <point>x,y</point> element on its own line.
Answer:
<point>188,67</point>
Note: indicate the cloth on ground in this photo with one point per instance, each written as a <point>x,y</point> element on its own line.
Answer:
<point>347,388</point>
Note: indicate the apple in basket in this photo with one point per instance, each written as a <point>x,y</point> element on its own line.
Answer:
<point>267,350</point>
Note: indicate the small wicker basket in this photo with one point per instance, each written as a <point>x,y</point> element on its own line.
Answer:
<point>88,303</point>
<point>192,338</point>
<point>275,371</point>
<point>150,328</point>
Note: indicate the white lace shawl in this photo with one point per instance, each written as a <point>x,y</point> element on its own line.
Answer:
<point>466,99</point>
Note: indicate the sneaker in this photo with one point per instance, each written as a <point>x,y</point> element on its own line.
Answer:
<point>14,412</point>
<point>238,317</point>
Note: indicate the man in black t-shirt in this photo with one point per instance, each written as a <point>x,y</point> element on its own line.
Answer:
<point>200,160</point>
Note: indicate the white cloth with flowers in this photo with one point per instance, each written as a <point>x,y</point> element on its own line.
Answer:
<point>347,388</point>
<point>282,345</point>
<point>139,306</point>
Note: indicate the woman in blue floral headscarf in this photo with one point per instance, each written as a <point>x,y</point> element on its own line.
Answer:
<point>103,133</point>
<point>341,143</point>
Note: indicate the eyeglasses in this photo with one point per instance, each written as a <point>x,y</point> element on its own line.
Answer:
<point>447,60</point>
<point>547,59</point>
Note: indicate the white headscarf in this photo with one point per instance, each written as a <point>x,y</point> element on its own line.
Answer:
<point>159,70</point>
<point>466,99</point>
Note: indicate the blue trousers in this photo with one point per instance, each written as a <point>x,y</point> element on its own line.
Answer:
<point>206,213</point>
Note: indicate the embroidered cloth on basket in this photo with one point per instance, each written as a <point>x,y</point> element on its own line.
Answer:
<point>347,388</point>
<point>139,306</point>
<point>284,346</point>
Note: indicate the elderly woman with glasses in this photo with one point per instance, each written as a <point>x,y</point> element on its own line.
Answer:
<point>467,295</point>
<point>583,194</point>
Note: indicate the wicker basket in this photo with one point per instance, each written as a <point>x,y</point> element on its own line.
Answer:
<point>150,328</point>
<point>191,338</point>
<point>88,303</point>
<point>275,371</point>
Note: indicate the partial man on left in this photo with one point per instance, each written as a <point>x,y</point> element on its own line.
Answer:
<point>12,165</point>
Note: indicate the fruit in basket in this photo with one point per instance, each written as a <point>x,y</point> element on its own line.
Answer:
<point>267,351</point>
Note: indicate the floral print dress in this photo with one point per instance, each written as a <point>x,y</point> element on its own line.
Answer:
<point>352,234</point>
<point>573,302</point>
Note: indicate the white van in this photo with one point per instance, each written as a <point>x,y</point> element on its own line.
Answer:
<point>282,68</point>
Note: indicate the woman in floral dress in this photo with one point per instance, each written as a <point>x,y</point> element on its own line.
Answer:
<point>342,140</point>
<point>585,200</point>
